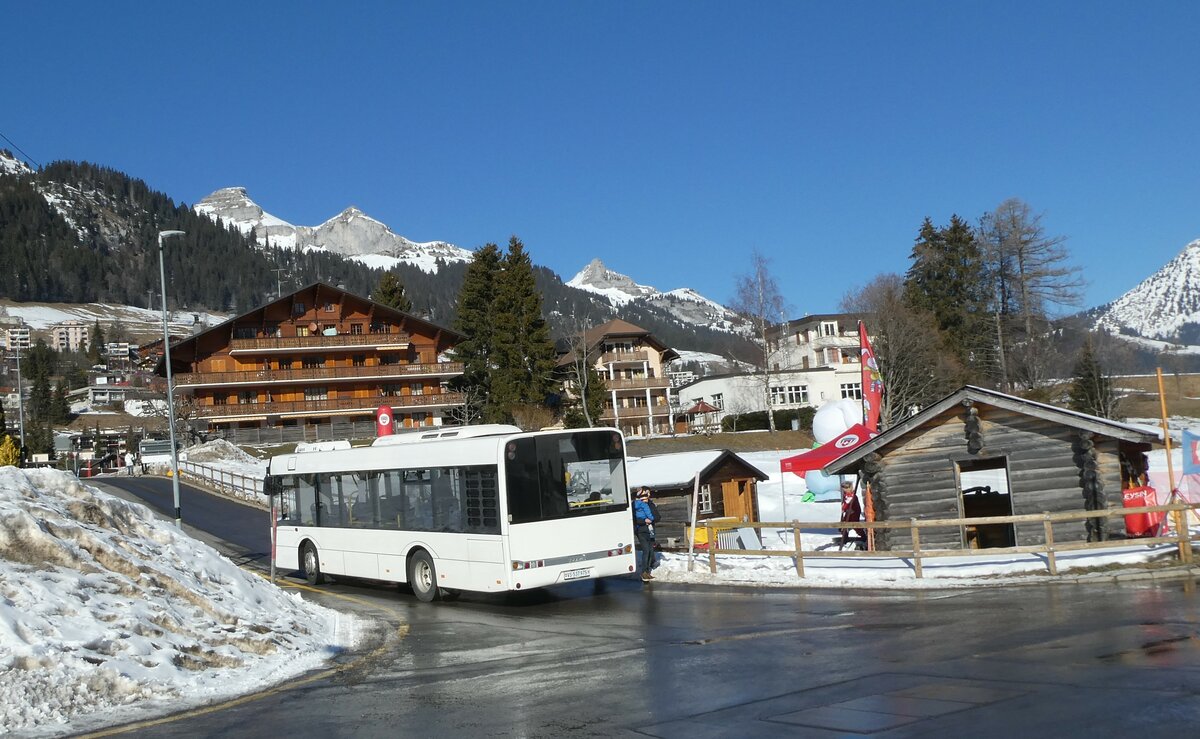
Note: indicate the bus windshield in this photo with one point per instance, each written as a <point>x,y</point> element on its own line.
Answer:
<point>563,475</point>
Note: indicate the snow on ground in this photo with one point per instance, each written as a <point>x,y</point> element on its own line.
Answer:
<point>146,408</point>
<point>109,615</point>
<point>223,455</point>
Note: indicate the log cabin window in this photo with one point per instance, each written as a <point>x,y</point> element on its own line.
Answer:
<point>316,393</point>
<point>355,329</point>
<point>245,332</point>
<point>358,360</point>
<point>298,308</point>
<point>417,389</point>
<point>246,397</point>
<point>313,362</point>
<point>705,503</point>
<point>302,330</point>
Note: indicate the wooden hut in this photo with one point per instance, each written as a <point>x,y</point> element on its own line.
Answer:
<point>980,452</point>
<point>728,487</point>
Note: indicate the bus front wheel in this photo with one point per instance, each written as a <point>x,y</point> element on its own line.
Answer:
<point>422,576</point>
<point>312,565</point>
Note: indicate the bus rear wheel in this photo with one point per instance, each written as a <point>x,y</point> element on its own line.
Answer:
<point>312,565</point>
<point>422,576</point>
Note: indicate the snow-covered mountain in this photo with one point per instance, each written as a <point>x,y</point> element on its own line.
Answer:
<point>1165,306</point>
<point>351,233</point>
<point>684,304</point>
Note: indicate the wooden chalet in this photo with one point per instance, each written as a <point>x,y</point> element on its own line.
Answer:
<point>728,486</point>
<point>318,355</point>
<point>979,452</point>
<point>633,365</point>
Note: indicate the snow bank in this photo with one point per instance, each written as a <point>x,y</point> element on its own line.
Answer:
<point>108,615</point>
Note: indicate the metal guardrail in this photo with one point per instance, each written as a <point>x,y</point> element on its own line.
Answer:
<point>236,484</point>
<point>1181,537</point>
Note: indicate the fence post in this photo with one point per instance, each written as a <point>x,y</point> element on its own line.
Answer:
<point>1183,535</point>
<point>916,547</point>
<point>712,549</point>
<point>799,551</point>
<point>1051,562</point>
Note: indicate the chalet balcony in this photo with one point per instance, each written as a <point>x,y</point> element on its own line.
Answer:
<point>381,372</point>
<point>268,344</point>
<point>640,355</point>
<point>637,383</point>
<point>401,403</point>
<point>627,414</point>
<point>849,338</point>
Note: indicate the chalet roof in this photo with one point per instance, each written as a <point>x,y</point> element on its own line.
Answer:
<point>184,345</point>
<point>970,394</point>
<point>680,469</point>
<point>617,328</point>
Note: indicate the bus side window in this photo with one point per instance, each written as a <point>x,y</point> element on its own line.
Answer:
<point>387,492</point>
<point>305,508</point>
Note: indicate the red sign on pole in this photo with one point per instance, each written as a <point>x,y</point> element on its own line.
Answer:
<point>383,421</point>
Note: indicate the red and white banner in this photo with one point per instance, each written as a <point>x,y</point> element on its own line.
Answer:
<point>872,380</point>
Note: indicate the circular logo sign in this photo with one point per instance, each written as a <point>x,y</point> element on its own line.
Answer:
<point>846,441</point>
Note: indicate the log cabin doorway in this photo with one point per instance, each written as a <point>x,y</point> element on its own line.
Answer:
<point>983,491</point>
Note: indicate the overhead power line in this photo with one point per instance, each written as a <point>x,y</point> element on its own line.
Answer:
<point>20,151</point>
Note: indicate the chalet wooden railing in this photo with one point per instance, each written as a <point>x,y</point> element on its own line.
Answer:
<point>363,405</point>
<point>636,383</point>
<point>261,376</point>
<point>639,355</point>
<point>317,341</point>
<point>1181,537</point>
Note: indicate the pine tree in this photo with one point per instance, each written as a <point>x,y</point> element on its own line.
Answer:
<point>1091,390</point>
<point>947,279</point>
<point>95,351</point>
<point>475,321</point>
<point>524,355</point>
<point>390,292</point>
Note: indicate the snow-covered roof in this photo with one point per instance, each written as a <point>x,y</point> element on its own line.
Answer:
<point>678,470</point>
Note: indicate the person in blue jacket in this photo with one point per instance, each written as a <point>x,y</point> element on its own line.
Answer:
<point>644,517</point>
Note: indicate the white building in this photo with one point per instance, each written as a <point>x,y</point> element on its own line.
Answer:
<point>814,359</point>
<point>823,340</point>
<point>14,334</point>
<point>69,336</point>
<point>745,392</point>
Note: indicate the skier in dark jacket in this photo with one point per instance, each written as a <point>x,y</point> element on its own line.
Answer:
<point>644,517</point>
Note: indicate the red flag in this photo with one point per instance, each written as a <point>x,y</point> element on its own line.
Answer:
<point>872,381</point>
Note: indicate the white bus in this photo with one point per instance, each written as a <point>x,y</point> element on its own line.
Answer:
<point>480,508</point>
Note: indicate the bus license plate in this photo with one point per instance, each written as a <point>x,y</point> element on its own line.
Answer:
<point>577,574</point>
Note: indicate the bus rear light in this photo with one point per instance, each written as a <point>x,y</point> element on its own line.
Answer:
<point>528,565</point>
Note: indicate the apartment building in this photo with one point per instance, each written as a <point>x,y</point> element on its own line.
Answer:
<point>316,356</point>
<point>14,334</point>
<point>70,336</point>
<point>824,340</point>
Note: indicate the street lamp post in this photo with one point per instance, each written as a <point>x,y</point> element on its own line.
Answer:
<point>162,276</point>
<point>20,409</point>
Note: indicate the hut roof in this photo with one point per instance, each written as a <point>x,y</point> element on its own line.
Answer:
<point>970,394</point>
<point>680,469</point>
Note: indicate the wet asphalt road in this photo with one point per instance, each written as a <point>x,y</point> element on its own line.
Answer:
<point>677,661</point>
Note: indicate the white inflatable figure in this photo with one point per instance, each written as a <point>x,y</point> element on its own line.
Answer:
<point>832,419</point>
<point>829,422</point>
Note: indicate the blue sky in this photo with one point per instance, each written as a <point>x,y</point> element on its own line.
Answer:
<point>666,138</point>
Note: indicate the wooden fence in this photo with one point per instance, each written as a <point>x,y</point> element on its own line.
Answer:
<point>1181,537</point>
